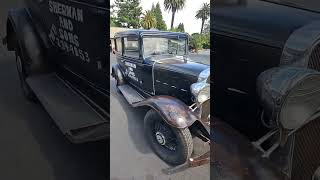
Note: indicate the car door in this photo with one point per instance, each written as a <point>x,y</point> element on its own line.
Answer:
<point>136,70</point>
<point>131,60</point>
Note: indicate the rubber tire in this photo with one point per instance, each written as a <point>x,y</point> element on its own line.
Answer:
<point>184,139</point>
<point>26,90</point>
<point>117,79</point>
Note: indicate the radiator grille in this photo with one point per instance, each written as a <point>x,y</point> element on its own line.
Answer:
<point>306,154</point>
<point>314,62</point>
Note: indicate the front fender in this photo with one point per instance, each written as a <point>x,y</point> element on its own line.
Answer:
<point>172,110</point>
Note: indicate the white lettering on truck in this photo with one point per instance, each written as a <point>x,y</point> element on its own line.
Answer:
<point>64,36</point>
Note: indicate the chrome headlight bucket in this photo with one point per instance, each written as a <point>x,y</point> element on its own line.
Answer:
<point>201,96</point>
<point>204,75</point>
<point>201,89</point>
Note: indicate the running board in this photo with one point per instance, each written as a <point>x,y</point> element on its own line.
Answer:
<point>131,95</point>
<point>72,114</point>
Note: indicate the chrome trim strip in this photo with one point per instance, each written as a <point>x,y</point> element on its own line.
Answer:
<point>154,89</point>
<point>237,91</point>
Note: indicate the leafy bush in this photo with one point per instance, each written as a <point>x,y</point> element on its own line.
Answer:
<point>199,41</point>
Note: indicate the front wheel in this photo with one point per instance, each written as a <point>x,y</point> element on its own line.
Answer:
<point>172,145</point>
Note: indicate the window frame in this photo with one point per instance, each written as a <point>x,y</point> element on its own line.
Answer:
<point>165,37</point>
<point>124,47</point>
<point>116,45</point>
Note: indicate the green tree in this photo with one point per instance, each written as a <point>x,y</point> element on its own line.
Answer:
<point>180,27</point>
<point>149,20</point>
<point>199,41</point>
<point>203,13</point>
<point>128,13</point>
<point>174,6</point>
<point>113,21</point>
<point>206,28</point>
<point>195,41</point>
<point>161,24</point>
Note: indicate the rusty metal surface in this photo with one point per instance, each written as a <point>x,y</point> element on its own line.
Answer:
<point>200,160</point>
<point>233,157</point>
<point>173,111</point>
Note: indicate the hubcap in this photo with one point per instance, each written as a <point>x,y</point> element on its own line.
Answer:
<point>164,136</point>
<point>160,138</point>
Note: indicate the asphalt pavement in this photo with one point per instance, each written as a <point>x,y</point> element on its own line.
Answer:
<point>31,146</point>
<point>131,157</point>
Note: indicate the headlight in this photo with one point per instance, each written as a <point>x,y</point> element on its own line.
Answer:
<point>203,76</point>
<point>201,91</point>
<point>204,94</point>
<point>197,87</point>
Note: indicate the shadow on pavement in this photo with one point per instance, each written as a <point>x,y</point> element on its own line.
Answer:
<point>35,147</point>
<point>135,118</point>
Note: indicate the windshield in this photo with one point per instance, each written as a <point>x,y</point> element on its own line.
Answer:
<point>159,46</point>
<point>302,4</point>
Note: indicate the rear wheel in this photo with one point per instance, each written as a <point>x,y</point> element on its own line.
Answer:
<point>26,90</point>
<point>119,80</point>
<point>172,145</point>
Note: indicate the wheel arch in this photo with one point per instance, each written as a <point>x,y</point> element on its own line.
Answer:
<point>22,33</point>
<point>173,111</point>
<point>117,74</point>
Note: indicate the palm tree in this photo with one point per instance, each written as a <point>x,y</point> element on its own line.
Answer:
<point>203,13</point>
<point>149,20</point>
<point>173,6</point>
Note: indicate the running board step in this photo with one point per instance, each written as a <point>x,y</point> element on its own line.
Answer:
<point>72,114</point>
<point>131,95</point>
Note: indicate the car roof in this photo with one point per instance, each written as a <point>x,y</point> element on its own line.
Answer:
<point>260,21</point>
<point>143,32</point>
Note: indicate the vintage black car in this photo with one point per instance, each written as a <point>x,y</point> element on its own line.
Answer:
<point>266,92</point>
<point>61,56</point>
<point>154,70</point>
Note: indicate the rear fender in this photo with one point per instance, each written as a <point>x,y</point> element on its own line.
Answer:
<point>174,112</point>
<point>117,74</point>
<point>22,33</point>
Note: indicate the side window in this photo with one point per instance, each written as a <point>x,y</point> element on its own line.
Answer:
<point>118,45</point>
<point>131,46</point>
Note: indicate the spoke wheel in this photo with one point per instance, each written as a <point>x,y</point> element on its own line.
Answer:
<point>165,136</point>
<point>172,145</point>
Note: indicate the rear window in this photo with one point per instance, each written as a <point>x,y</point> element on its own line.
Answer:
<point>118,45</point>
<point>131,46</point>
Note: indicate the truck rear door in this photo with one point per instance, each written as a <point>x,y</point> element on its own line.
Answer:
<point>77,31</point>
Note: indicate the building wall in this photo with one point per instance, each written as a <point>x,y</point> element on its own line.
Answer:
<point>113,31</point>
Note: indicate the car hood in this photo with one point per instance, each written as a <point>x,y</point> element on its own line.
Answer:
<point>173,76</point>
<point>180,65</point>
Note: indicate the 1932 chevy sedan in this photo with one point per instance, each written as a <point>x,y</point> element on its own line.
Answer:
<point>61,57</point>
<point>266,93</point>
<point>153,70</point>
